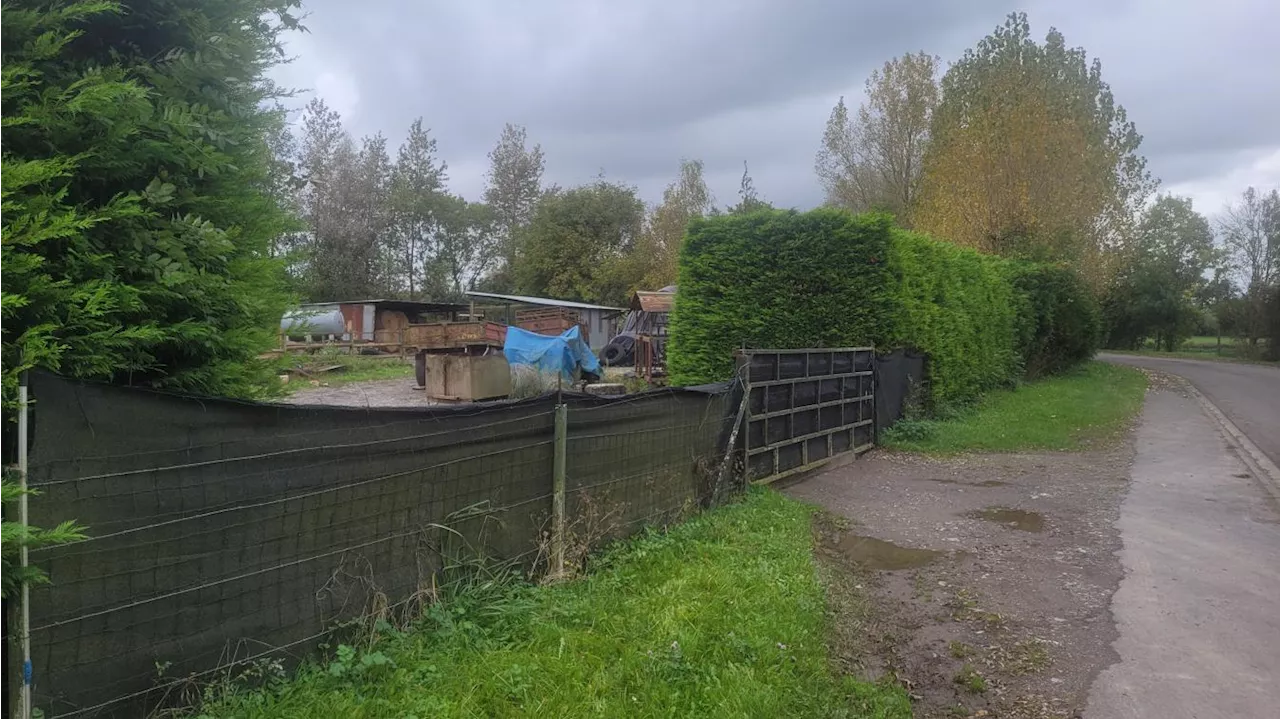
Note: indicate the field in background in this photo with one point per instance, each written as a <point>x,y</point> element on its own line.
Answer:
<point>1208,348</point>
<point>723,616</point>
<point>1081,408</point>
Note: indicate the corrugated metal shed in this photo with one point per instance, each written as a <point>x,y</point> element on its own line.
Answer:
<point>381,319</point>
<point>548,301</point>
<point>399,305</point>
<point>596,318</point>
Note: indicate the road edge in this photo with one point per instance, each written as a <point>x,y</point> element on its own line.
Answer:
<point>1260,466</point>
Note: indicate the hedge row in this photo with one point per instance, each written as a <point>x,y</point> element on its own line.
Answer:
<point>827,278</point>
<point>1060,324</point>
<point>958,307</point>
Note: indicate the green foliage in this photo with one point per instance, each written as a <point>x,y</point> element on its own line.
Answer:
<point>1060,323</point>
<point>748,199</point>
<point>1157,295</point>
<point>137,217</point>
<point>958,307</point>
<point>663,628</point>
<point>1141,307</point>
<point>1218,349</point>
<point>354,368</point>
<point>970,680</point>
<point>830,279</point>
<point>15,535</point>
<point>775,278</point>
<point>1076,410</point>
<point>1272,325</point>
<point>573,246</point>
<point>1030,156</point>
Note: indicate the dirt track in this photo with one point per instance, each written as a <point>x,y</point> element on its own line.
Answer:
<point>1011,616</point>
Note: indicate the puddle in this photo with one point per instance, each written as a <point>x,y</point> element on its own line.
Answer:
<point>875,553</point>
<point>1012,518</point>
<point>987,483</point>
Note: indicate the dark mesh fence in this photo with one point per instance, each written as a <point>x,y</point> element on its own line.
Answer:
<point>900,380</point>
<point>221,531</point>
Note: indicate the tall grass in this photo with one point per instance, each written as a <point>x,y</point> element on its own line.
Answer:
<point>720,617</point>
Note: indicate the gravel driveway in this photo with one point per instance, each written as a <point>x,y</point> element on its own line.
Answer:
<point>376,393</point>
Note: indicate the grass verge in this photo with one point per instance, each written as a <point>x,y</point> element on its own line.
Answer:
<point>354,368</point>
<point>1070,411</point>
<point>721,616</point>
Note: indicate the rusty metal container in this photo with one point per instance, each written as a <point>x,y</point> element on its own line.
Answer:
<point>551,321</point>
<point>453,335</point>
<point>467,378</point>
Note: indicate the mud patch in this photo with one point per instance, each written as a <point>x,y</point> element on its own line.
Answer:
<point>998,623</point>
<point>1019,519</point>
<point>984,483</point>
<point>877,554</point>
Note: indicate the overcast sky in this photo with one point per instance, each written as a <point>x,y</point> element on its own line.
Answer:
<point>631,87</point>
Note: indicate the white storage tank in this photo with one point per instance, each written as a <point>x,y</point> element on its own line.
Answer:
<point>318,322</point>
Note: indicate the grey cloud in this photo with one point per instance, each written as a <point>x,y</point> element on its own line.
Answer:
<point>631,88</point>
<point>1199,79</point>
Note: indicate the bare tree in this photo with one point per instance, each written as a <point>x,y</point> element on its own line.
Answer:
<point>418,199</point>
<point>286,188</point>
<point>346,250</point>
<point>686,198</point>
<point>748,199</point>
<point>326,154</point>
<point>513,188</point>
<point>873,159</point>
<point>1250,232</point>
<point>369,242</point>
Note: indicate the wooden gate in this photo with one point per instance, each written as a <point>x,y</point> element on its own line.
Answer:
<point>805,407</point>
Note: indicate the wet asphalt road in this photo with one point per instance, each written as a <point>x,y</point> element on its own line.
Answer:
<point>1248,394</point>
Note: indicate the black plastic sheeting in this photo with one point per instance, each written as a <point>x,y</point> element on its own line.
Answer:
<point>900,376</point>
<point>222,530</point>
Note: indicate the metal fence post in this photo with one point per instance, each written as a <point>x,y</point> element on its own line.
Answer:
<point>557,490</point>
<point>24,628</point>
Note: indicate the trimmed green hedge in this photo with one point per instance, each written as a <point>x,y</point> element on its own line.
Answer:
<point>827,278</point>
<point>775,278</point>
<point>958,307</point>
<point>1060,323</point>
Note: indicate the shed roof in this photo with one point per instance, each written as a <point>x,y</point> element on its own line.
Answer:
<point>547,301</point>
<point>653,301</point>
<point>401,305</point>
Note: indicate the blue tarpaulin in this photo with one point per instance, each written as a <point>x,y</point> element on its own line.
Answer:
<point>551,354</point>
